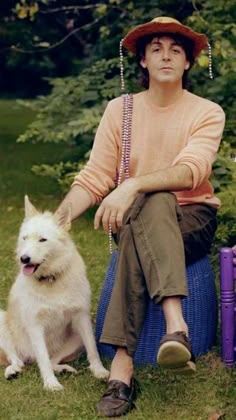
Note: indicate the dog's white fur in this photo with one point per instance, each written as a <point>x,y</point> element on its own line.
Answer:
<point>48,313</point>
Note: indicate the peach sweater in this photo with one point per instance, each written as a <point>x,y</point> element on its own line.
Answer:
<point>186,132</point>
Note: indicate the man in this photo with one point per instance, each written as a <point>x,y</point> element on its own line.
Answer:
<point>164,215</point>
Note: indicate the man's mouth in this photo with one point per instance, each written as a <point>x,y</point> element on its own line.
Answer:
<point>29,269</point>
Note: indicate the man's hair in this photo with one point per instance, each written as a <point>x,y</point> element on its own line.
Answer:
<point>185,43</point>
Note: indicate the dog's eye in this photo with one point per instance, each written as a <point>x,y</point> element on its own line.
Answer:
<point>24,238</point>
<point>42,240</point>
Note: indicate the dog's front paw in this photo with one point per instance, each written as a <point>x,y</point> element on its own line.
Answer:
<point>52,384</point>
<point>12,371</point>
<point>98,370</point>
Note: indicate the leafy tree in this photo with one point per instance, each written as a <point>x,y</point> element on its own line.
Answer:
<point>40,40</point>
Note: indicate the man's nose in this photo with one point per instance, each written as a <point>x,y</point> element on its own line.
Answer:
<point>166,55</point>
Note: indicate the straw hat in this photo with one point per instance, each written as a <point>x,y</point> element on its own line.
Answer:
<point>166,25</point>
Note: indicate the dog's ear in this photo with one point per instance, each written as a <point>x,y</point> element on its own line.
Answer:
<point>63,216</point>
<point>30,210</point>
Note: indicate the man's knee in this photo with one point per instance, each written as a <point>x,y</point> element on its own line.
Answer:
<point>161,197</point>
<point>159,204</point>
<point>153,207</point>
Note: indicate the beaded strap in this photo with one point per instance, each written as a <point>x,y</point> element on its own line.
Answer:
<point>125,146</point>
<point>210,61</point>
<point>125,137</point>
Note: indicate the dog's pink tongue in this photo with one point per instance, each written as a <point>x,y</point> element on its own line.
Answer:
<point>28,269</point>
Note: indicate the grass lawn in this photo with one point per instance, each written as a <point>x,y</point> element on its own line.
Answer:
<point>209,394</point>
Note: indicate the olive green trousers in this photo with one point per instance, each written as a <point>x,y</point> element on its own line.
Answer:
<point>156,242</point>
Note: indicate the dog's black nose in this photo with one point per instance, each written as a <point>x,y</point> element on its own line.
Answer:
<point>25,259</point>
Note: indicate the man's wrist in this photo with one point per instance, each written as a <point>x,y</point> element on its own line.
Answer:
<point>134,184</point>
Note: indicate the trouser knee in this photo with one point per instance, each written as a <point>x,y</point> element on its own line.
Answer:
<point>158,207</point>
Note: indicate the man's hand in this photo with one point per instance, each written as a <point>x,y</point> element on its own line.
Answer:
<point>114,206</point>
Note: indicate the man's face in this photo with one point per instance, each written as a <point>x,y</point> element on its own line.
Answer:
<point>165,61</point>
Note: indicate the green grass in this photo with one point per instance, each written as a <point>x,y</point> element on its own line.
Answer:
<point>165,397</point>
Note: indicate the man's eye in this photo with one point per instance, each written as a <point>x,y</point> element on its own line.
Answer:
<point>176,50</point>
<point>42,240</point>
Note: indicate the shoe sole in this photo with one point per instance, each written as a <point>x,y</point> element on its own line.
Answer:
<point>188,369</point>
<point>176,357</point>
<point>114,412</point>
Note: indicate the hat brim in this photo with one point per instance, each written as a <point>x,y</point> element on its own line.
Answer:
<point>200,41</point>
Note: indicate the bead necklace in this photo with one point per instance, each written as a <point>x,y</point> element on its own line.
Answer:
<point>125,146</point>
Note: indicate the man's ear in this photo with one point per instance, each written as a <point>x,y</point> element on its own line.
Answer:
<point>30,210</point>
<point>63,216</point>
<point>143,63</point>
<point>187,65</point>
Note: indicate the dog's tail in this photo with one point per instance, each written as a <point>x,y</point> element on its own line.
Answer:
<point>3,358</point>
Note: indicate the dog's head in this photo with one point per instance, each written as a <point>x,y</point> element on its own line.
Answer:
<point>42,238</point>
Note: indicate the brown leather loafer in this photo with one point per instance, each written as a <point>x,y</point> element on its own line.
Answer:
<point>118,399</point>
<point>175,353</point>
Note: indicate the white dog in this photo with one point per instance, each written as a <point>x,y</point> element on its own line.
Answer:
<point>48,313</point>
